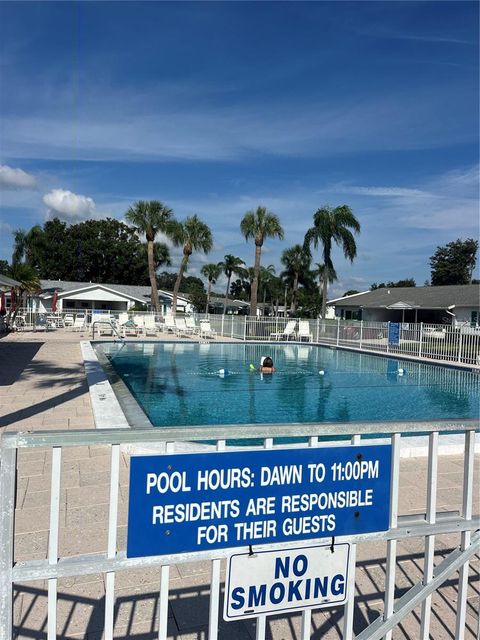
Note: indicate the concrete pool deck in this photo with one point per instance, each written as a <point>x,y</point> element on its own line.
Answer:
<point>42,387</point>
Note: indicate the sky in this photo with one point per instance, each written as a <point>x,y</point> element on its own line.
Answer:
<point>217,108</point>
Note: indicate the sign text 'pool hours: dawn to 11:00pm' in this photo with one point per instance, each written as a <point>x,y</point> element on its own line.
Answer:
<point>200,501</point>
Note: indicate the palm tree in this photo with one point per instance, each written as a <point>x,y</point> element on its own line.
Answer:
<point>265,276</point>
<point>231,265</point>
<point>258,225</point>
<point>192,235</point>
<point>210,271</point>
<point>27,245</point>
<point>26,275</point>
<point>332,225</point>
<point>150,218</point>
<point>296,262</point>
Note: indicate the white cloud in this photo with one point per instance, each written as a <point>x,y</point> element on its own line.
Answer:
<point>68,205</point>
<point>392,192</point>
<point>16,178</point>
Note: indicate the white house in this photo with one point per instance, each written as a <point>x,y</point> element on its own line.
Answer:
<point>453,304</point>
<point>84,296</point>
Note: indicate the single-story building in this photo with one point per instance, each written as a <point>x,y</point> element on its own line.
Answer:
<point>84,296</point>
<point>234,307</point>
<point>453,304</point>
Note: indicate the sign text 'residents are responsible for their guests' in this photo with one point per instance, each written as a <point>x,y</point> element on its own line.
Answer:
<point>202,501</point>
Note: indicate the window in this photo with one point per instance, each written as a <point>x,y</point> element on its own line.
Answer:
<point>474,318</point>
<point>69,304</point>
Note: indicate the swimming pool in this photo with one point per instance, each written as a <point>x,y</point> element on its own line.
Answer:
<point>179,384</point>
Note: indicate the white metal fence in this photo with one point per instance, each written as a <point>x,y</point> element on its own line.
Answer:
<point>398,601</point>
<point>450,343</point>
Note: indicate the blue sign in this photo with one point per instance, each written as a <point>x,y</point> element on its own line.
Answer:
<point>196,502</point>
<point>394,333</point>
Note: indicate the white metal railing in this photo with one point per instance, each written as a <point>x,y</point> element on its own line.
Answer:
<point>450,343</point>
<point>113,558</point>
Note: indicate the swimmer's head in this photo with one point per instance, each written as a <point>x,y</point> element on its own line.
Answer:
<point>267,362</point>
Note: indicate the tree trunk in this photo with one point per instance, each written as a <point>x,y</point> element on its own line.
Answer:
<point>152,276</point>
<point>254,287</point>
<point>293,306</point>
<point>178,281</point>
<point>208,296</point>
<point>226,295</point>
<point>277,304</point>
<point>324,292</point>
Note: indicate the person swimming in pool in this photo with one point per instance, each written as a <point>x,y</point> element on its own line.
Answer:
<point>266,365</point>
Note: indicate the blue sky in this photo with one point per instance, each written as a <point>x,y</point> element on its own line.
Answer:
<point>215,108</point>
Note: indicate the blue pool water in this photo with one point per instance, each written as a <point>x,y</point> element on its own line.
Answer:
<point>178,385</point>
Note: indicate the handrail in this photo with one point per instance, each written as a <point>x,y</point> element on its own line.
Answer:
<point>110,324</point>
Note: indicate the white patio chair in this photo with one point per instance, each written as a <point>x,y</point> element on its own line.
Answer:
<point>206,330</point>
<point>181,326</point>
<point>68,320</point>
<point>149,326</point>
<point>169,324</point>
<point>80,322</point>
<point>138,322</point>
<point>288,332</point>
<point>191,324</point>
<point>129,329</point>
<point>304,331</point>
<point>122,318</point>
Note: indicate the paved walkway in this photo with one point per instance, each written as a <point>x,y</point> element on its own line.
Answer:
<point>43,387</point>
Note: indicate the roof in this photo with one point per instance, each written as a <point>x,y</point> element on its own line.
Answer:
<point>5,281</point>
<point>467,295</point>
<point>134,292</point>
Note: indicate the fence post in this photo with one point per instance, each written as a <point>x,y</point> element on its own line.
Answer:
<point>420,341</point>
<point>7,502</point>
<point>388,336</point>
<point>318,329</point>
<point>338,331</point>
<point>459,357</point>
<point>245,328</point>
<point>361,334</point>
<point>223,320</point>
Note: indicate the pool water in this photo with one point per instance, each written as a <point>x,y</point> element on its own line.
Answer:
<point>179,385</point>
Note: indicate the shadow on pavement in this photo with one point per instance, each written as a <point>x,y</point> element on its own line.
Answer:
<point>80,615</point>
<point>15,356</point>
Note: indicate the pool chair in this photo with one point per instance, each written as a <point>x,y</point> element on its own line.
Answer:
<point>68,320</point>
<point>304,331</point>
<point>129,329</point>
<point>181,327</point>
<point>169,324</point>
<point>191,325</point>
<point>80,322</point>
<point>206,330</point>
<point>287,333</point>
<point>138,321</point>
<point>149,326</point>
<point>122,318</point>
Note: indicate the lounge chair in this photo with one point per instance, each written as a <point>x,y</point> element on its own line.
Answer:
<point>122,318</point>
<point>206,330</point>
<point>139,323</point>
<point>129,329</point>
<point>80,322</point>
<point>191,325</point>
<point>68,320</point>
<point>149,326</point>
<point>288,332</point>
<point>304,331</point>
<point>181,326</point>
<point>169,324</point>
